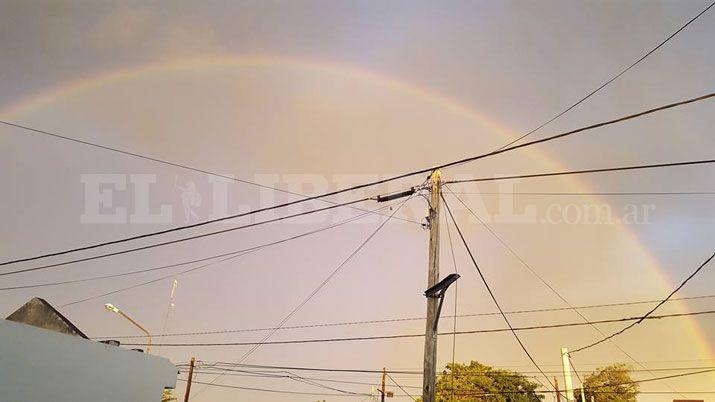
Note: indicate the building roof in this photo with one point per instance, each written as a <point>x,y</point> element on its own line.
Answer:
<point>39,313</point>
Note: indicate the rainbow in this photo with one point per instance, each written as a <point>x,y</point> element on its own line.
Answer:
<point>265,61</point>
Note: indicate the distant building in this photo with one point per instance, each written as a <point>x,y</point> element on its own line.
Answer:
<point>44,357</point>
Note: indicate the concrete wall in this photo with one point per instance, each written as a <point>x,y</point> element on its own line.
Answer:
<point>37,365</point>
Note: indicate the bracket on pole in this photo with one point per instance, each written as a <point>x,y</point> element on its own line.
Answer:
<point>437,291</point>
<point>390,197</point>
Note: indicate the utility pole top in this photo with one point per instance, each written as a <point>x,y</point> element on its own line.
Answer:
<point>187,393</point>
<point>436,176</point>
<point>568,382</point>
<point>558,391</point>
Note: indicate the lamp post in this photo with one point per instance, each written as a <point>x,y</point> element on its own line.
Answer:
<point>114,309</point>
<point>435,296</point>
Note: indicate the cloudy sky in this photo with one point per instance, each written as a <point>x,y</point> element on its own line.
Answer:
<point>311,96</point>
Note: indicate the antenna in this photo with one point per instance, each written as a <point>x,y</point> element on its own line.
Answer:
<point>170,307</point>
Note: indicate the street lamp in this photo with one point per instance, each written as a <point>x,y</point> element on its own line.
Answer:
<point>114,309</point>
<point>437,292</point>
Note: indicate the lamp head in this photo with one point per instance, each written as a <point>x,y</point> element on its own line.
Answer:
<point>112,308</point>
<point>441,287</point>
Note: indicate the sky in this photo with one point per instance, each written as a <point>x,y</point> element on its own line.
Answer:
<point>312,96</point>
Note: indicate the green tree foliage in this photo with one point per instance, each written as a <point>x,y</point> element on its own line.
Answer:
<point>168,396</point>
<point>610,384</point>
<point>477,382</point>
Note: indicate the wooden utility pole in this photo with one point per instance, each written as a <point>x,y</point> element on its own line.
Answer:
<point>382,388</point>
<point>430,356</point>
<point>556,387</point>
<point>188,381</point>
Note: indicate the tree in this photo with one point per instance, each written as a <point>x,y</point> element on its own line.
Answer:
<point>610,384</point>
<point>168,396</point>
<point>477,382</point>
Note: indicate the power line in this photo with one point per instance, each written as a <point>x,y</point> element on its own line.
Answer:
<point>615,77</point>
<point>595,392</point>
<point>332,274</point>
<point>577,373</point>
<point>198,224</point>
<point>661,369</point>
<point>406,336</point>
<point>315,291</point>
<point>295,377</point>
<point>486,393</point>
<point>412,396</point>
<point>495,372</point>
<point>145,157</point>
<point>159,279</point>
<point>653,379</point>
<point>235,372</point>
<point>541,279</point>
<point>610,362</point>
<point>663,392</point>
<point>150,246</point>
<point>572,132</point>
<point>230,255</point>
<point>391,320</point>
<point>649,312</point>
<point>286,375</point>
<point>617,384</point>
<point>571,172</point>
<point>273,374</point>
<point>119,275</point>
<point>158,160</point>
<point>318,369</point>
<point>278,391</point>
<point>400,387</point>
<point>494,299</point>
<point>372,183</point>
<point>456,288</point>
<point>583,386</point>
<point>162,267</point>
<point>620,193</point>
